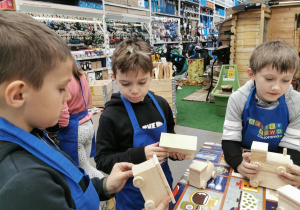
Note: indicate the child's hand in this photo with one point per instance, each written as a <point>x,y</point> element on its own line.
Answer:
<point>292,178</point>
<point>120,173</point>
<point>160,152</point>
<point>246,168</point>
<point>164,205</point>
<point>177,155</point>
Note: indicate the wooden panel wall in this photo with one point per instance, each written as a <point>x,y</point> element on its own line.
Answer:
<point>246,38</point>
<point>282,24</point>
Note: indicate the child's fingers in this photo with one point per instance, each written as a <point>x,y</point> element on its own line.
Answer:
<point>294,169</point>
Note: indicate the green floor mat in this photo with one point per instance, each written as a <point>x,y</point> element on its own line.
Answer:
<point>197,114</point>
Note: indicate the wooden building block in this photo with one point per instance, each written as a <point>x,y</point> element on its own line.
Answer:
<point>151,180</point>
<point>179,143</point>
<point>288,198</point>
<point>101,91</point>
<point>270,165</point>
<point>201,173</point>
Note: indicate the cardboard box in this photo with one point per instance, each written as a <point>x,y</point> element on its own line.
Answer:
<point>101,91</point>
<point>98,64</point>
<point>133,3</point>
<point>124,2</point>
<point>137,12</point>
<point>163,88</point>
<point>105,74</point>
<point>115,9</point>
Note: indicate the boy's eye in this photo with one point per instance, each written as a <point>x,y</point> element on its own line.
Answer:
<point>62,90</point>
<point>125,84</point>
<point>142,83</point>
<point>286,80</point>
<point>268,79</point>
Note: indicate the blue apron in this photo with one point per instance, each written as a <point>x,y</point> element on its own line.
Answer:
<point>262,124</point>
<point>83,200</point>
<point>68,136</point>
<point>130,198</point>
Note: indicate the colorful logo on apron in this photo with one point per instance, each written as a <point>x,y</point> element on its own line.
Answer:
<point>270,131</point>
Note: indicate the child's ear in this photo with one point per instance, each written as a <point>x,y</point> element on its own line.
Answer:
<point>250,74</point>
<point>14,93</point>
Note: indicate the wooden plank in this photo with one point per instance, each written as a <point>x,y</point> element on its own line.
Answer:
<point>247,43</point>
<point>242,62</point>
<point>244,50</point>
<point>244,56</point>
<point>250,21</point>
<point>247,35</point>
<point>262,23</point>
<point>251,28</point>
<point>246,15</point>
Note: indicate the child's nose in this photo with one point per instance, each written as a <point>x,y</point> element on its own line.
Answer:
<point>68,95</point>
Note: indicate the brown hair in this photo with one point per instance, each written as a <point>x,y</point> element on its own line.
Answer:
<point>281,56</point>
<point>77,72</point>
<point>29,50</point>
<point>132,55</point>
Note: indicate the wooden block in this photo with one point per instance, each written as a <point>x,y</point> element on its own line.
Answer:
<point>101,91</point>
<point>98,64</point>
<point>179,143</point>
<point>288,198</point>
<point>270,165</point>
<point>151,180</point>
<point>105,74</point>
<point>201,173</point>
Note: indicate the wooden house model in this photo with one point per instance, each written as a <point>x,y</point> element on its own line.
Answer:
<point>201,173</point>
<point>288,198</point>
<point>179,143</point>
<point>151,180</point>
<point>270,165</point>
<point>245,29</point>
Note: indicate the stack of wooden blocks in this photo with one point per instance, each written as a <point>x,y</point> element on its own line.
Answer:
<point>163,84</point>
<point>101,91</point>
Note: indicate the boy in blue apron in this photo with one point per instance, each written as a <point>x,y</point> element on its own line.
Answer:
<point>36,67</point>
<point>132,121</point>
<point>265,109</point>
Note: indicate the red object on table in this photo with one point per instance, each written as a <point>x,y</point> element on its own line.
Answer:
<point>6,4</point>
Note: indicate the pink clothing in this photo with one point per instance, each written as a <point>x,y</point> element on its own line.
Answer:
<point>76,104</point>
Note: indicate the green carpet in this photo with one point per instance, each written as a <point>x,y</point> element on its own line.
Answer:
<point>197,114</point>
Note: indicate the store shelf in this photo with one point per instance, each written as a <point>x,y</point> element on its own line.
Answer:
<point>89,58</point>
<point>203,14</point>
<point>57,9</point>
<point>190,3</point>
<point>166,43</point>
<point>126,6</point>
<point>95,70</point>
<point>165,15</point>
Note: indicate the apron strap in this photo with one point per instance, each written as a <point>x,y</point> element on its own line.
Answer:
<point>34,145</point>
<point>82,92</point>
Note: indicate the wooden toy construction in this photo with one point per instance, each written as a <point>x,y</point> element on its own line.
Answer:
<point>201,173</point>
<point>179,143</point>
<point>270,165</point>
<point>151,180</point>
<point>288,198</point>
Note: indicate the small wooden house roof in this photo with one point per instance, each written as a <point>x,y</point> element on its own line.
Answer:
<point>290,193</point>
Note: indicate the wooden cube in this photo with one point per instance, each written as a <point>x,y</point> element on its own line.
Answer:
<point>201,173</point>
<point>101,91</point>
<point>179,143</point>
<point>151,180</point>
<point>270,165</point>
<point>288,198</point>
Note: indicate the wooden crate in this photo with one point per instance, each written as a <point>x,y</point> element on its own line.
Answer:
<point>165,88</point>
<point>101,91</point>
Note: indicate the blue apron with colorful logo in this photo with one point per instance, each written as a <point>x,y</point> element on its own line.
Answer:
<point>262,124</point>
<point>87,200</point>
<point>130,198</point>
<point>68,136</point>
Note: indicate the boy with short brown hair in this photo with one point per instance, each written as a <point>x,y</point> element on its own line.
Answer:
<point>132,121</point>
<point>265,109</point>
<point>36,67</point>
